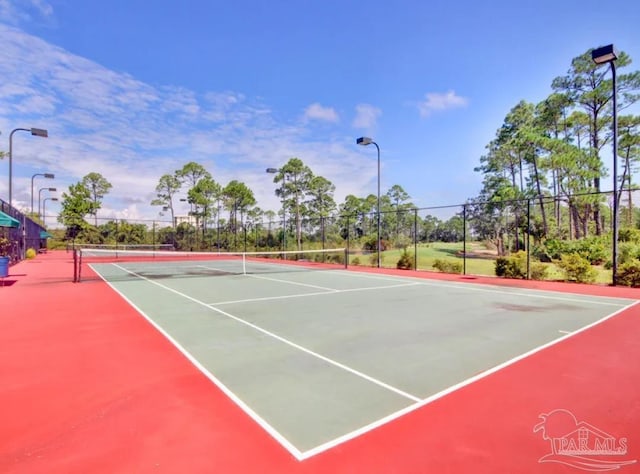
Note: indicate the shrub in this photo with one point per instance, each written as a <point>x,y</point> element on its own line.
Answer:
<point>553,248</point>
<point>355,261</point>
<point>541,253</point>
<point>406,261</point>
<point>627,252</point>
<point>577,268</point>
<point>373,259</point>
<point>593,249</point>
<point>337,258</point>
<point>30,253</point>
<point>371,244</point>
<point>629,274</point>
<point>538,271</point>
<point>447,266</point>
<point>629,235</point>
<point>514,266</point>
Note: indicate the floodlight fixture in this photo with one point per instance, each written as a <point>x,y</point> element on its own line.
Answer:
<point>38,132</point>
<point>604,54</point>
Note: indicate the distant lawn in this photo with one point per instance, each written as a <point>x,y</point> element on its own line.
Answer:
<point>480,261</point>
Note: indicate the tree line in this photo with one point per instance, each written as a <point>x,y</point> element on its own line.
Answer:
<point>547,153</point>
<point>553,149</point>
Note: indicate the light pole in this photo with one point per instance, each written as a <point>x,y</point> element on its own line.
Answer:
<point>39,198</point>
<point>46,175</point>
<point>38,132</point>
<point>284,210</point>
<point>604,55</point>
<point>44,215</point>
<point>364,141</point>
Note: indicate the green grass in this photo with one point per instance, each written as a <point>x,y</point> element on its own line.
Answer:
<point>479,260</point>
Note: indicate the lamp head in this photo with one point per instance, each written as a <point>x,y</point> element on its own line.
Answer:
<point>604,54</point>
<point>40,132</point>
<point>272,170</point>
<point>49,175</point>
<point>364,141</point>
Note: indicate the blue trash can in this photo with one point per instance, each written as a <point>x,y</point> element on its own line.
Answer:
<point>4,267</point>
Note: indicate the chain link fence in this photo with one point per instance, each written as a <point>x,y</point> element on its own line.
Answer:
<point>465,238</point>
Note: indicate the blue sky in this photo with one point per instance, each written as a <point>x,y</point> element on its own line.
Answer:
<point>134,89</point>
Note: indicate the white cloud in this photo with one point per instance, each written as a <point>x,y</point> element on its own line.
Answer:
<point>18,11</point>
<point>318,112</point>
<point>436,102</point>
<point>132,132</point>
<point>366,116</point>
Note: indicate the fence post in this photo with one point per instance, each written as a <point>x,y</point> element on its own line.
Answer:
<point>415,239</point>
<point>464,239</point>
<point>348,234</point>
<point>528,238</point>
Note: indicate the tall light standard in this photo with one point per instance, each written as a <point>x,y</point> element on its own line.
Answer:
<point>284,210</point>
<point>604,55</point>
<point>47,176</point>
<point>364,141</point>
<point>39,198</point>
<point>44,215</point>
<point>38,132</point>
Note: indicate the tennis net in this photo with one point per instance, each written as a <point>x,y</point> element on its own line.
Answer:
<point>112,264</point>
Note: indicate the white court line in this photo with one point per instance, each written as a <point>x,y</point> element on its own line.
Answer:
<point>285,341</point>
<point>420,403</point>
<point>342,439</point>
<point>319,293</point>
<point>292,282</point>
<point>564,332</point>
<point>284,442</point>
<point>482,288</point>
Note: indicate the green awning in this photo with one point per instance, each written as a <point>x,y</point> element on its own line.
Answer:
<point>7,221</point>
<point>45,235</point>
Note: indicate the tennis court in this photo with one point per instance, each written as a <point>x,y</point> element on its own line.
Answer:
<point>318,354</point>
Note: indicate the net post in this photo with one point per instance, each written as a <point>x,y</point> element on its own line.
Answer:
<point>75,267</point>
<point>79,265</point>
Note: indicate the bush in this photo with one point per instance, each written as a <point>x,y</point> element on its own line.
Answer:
<point>447,266</point>
<point>336,258</point>
<point>30,253</point>
<point>406,261</point>
<point>538,271</point>
<point>629,235</point>
<point>577,268</point>
<point>514,266</point>
<point>371,244</point>
<point>541,253</point>
<point>373,259</point>
<point>627,252</point>
<point>551,248</point>
<point>355,261</point>
<point>595,249</point>
<point>629,274</point>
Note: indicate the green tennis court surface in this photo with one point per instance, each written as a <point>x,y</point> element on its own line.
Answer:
<point>317,357</point>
